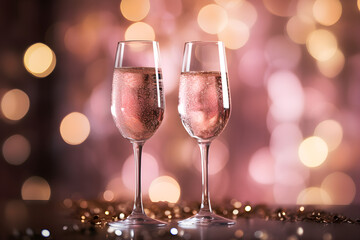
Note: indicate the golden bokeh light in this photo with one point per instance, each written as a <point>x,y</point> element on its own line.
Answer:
<point>135,10</point>
<point>304,9</point>
<point>298,28</point>
<point>212,18</point>
<point>332,66</point>
<point>331,132</point>
<point>39,60</point>
<point>240,10</point>
<point>340,187</point>
<point>140,31</point>
<point>16,149</point>
<point>108,195</point>
<point>235,35</point>
<point>327,12</point>
<point>344,157</point>
<point>164,188</point>
<point>322,44</point>
<point>313,196</point>
<point>358,4</point>
<point>313,151</point>
<point>75,128</point>
<point>35,188</point>
<point>282,8</point>
<point>15,104</point>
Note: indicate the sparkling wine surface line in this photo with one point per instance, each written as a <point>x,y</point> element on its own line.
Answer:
<point>137,102</point>
<point>202,108</point>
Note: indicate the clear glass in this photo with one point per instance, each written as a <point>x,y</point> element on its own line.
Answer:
<point>137,107</point>
<point>204,108</point>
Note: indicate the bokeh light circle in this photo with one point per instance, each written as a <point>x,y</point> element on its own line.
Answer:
<point>331,132</point>
<point>164,188</point>
<point>240,10</point>
<point>313,151</point>
<point>282,8</point>
<point>140,31</point>
<point>327,12</point>
<point>304,9</point>
<point>15,104</point>
<point>261,166</point>
<point>340,187</point>
<point>39,60</point>
<point>75,128</point>
<point>135,10</point>
<point>235,34</point>
<point>313,196</point>
<point>16,149</point>
<point>286,105</point>
<point>45,233</point>
<point>35,188</point>
<point>321,44</point>
<point>332,66</point>
<point>108,195</point>
<point>212,18</point>
<point>298,28</point>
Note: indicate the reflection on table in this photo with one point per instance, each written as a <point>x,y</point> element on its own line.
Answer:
<point>88,220</point>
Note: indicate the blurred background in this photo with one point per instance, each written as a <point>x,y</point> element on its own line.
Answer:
<point>294,72</point>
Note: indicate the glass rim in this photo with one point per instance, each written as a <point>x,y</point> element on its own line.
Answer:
<point>137,41</point>
<point>204,42</point>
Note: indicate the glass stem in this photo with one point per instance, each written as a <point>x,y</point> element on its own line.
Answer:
<point>138,204</point>
<point>204,151</point>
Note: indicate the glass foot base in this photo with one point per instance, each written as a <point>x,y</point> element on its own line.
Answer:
<point>137,220</point>
<point>206,219</point>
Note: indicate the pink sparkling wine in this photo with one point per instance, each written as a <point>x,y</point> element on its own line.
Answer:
<point>202,109</point>
<point>137,102</point>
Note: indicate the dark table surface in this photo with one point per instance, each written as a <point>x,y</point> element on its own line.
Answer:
<point>49,220</point>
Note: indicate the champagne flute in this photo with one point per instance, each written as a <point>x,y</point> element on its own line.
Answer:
<point>137,107</point>
<point>204,108</point>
